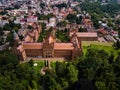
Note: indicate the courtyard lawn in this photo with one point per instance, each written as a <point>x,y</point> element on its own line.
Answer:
<point>40,65</point>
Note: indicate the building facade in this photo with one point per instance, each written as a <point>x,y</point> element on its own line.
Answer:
<point>85,36</point>
<point>49,48</point>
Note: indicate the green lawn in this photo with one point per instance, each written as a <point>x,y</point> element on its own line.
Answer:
<point>40,64</point>
<point>87,43</point>
<point>108,49</point>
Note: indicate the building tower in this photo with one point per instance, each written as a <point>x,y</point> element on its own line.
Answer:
<point>48,47</point>
<point>77,51</point>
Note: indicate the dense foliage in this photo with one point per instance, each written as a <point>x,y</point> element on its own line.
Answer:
<point>44,17</point>
<point>62,36</point>
<point>15,76</point>
<point>72,18</point>
<point>60,5</point>
<point>117,44</point>
<point>100,11</point>
<point>11,26</point>
<point>94,70</point>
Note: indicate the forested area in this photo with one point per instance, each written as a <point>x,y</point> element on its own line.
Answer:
<point>100,12</point>
<point>96,70</point>
<point>100,9</point>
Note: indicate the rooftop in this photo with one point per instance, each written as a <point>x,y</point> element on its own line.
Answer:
<point>63,46</point>
<point>32,45</point>
<point>85,34</point>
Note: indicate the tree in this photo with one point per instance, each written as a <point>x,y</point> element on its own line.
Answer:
<point>61,24</point>
<point>89,73</point>
<point>117,65</point>
<point>11,26</point>
<point>60,69</point>
<point>6,27</point>
<point>117,21</point>
<point>100,85</point>
<point>61,35</point>
<point>117,44</point>
<point>61,5</point>
<point>43,25</point>
<point>10,38</point>
<point>82,29</point>
<point>29,88</point>
<point>3,12</point>
<point>95,18</point>
<point>51,72</point>
<point>112,86</point>
<point>31,62</point>
<point>42,5</point>
<point>8,59</point>
<point>71,73</point>
<point>1,31</point>
<point>34,85</point>
<point>111,58</point>
<point>64,84</point>
<point>71,18</point>
<point>49,83</point>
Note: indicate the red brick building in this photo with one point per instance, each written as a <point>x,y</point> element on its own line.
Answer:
<point>85,36</point>
<point>49,48</point>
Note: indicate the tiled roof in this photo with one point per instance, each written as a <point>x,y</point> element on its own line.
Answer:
<point>20,48</point>
<point>27,38</point>
<point>32,45</point>
<point>50,39</point>
<point>85,34</point>
<point>63,46</point>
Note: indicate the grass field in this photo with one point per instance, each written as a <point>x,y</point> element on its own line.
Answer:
<point>40,65</point>
<point>87,43</point>
<point>108,49</point>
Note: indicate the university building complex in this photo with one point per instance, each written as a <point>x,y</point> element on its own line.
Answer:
<point>50,48</point>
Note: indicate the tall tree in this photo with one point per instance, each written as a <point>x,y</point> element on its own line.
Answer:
<point>72,73</point>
